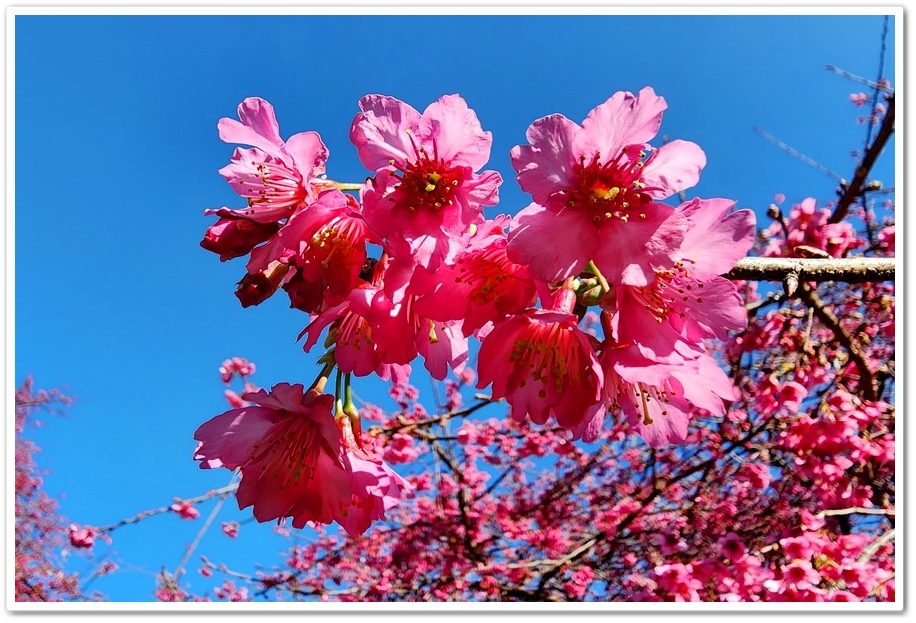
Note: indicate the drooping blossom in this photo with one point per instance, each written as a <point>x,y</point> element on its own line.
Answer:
<point>595,188</point>
<point>274,176</point>
<point>376,487</point>
<point>688,302</point>
<point>371,333</point>
<point>288,449</point>
<point>657,398</point>
<point>426,191</point>
<point>481,286</point>
<point>543,365</point>
<point>328,244</point>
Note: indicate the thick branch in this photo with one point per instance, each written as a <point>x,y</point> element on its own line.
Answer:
<point>857,186</point>
<point>848,270</point>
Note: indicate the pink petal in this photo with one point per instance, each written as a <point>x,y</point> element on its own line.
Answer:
<point>229,437</point>
<point>622,120</point>
<point>674,167</point>
<point>258,127</point>
<point>553,245</point>
<point>380,131</point>
<point>628,251</point>
<point>713,240</point>
<point>544,166</point>
<point>309,153</point>
<point>459,138</point>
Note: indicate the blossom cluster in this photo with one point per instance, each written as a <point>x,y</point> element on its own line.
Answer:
<point>596,235</point>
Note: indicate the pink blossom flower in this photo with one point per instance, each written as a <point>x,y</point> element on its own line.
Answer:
<point>328,241</point>
<point>671,317</point>
<point>594,189</point>
<point>887,239</point>
<point>274,176</point>
<point>543,364</point>
<point>376,487</point>
<point>83,538</point>
<point>288,449</point>
<point>859,99</point>
<point>185,510</point>
<point>482,285</point>
<point>732,546</point>
<point>372,332</point>
<point>425,192</point>
<point>235,366</point>
<point>231,529</point>
<point>658,398</point>
<point>801,575</point>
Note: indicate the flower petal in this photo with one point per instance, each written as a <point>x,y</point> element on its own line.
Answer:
<point>382,129</point>
<point>674,167</point>
<point>544,167</point>
<point>624,119</point>
<point>553,245</point>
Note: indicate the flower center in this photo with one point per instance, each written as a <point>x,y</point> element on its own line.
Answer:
<point>543,354</point>
<point>427,183</point>
<point>272,183</point>
<point>610,190</point>
<point>488,275</point>
<point>288,451</point>
<point>671,289</point>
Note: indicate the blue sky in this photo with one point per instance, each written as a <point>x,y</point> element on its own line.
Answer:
<point>116,157</point>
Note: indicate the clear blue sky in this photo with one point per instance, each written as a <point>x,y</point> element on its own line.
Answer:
<point>117,156</point>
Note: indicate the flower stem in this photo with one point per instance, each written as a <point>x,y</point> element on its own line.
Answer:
<point>597,273</point>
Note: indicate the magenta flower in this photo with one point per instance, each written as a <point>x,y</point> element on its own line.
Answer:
<point>425,191</point>
<point>482,285</point>
<point>658,398</point>
<point>669,318</point>
<point>376,487</point>
<point>274,176</point>
<point>542,364</point>
<point>328,244</point>
<point>688,302</point>
<point>81,538</point>
<point>288,448</point>
<point>594,188</point>
<point>185,510</point>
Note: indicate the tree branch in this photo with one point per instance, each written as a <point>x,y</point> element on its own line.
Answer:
<point>855,189</point>
<point>848,270</point>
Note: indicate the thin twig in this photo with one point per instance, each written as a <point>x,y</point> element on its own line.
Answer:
<point>203,529</point>
<point>855,188</point>
<point>845,74</point>
<point>164,509</point>
<point>794,152</point>
<point>852,346</point>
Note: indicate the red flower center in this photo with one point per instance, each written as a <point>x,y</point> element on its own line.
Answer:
<point>610,190</point>
<point>667,294</point>
<point>427,183</point>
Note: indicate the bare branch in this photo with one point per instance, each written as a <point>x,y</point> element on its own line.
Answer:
<point>870,551</point>
<point>858,185</point>
<point>794,152</point>
<point>845,74</point>
<point>848,270</point>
